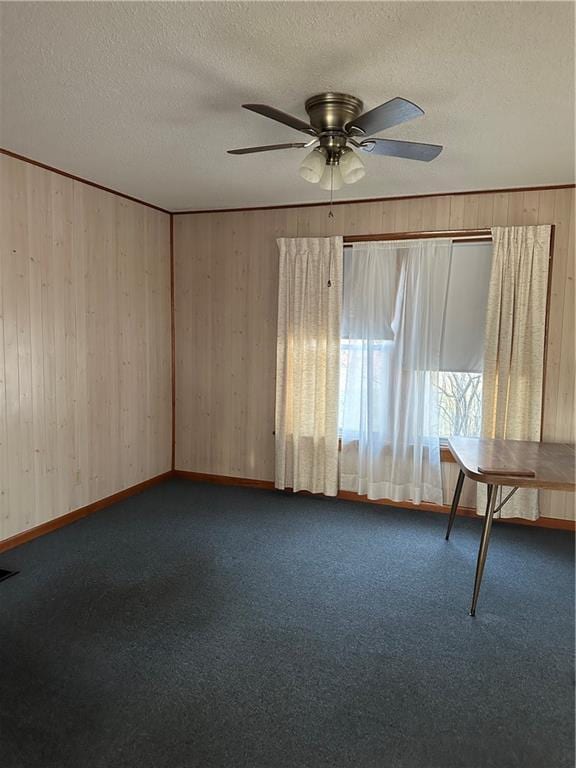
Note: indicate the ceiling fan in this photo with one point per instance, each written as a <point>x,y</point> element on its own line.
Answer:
<point>337,126</point>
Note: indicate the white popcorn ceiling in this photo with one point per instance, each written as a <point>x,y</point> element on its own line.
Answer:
<point>145,97</point>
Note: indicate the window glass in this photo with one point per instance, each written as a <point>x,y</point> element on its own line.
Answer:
<point>459,403</point>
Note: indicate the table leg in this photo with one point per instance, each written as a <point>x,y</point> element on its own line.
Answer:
<point>455,502</point>
<point>484,541</point>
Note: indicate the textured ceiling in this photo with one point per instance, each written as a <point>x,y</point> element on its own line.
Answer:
<point>145,97</point>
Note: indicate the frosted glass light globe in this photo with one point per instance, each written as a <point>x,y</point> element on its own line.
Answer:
<point>312,167</point>
<point>351,167</point>
<point>331,178</point>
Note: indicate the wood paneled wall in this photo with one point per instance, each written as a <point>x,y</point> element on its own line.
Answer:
<point>85,378</point>
<point>226,272</point>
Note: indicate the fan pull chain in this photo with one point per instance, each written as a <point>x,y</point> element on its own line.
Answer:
<point>330,213</point>
<point>331,216</point>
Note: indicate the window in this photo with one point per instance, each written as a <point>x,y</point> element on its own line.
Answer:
<point>459,382</point>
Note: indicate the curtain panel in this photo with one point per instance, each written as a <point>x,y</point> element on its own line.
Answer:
<point>514,346</point>
<point>308,364</point>
<point>394,307</point>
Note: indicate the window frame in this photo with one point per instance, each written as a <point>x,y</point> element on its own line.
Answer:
<point>470,236</point>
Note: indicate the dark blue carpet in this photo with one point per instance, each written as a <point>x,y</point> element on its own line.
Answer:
<point>201,626</point>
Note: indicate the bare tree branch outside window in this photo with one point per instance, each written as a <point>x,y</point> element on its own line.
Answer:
<point>460,403</point>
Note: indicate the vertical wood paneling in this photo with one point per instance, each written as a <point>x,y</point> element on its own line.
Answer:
<point>85,394</point>
<point>226,286</point>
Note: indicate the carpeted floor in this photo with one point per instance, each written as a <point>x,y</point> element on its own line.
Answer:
<point>205,626</point>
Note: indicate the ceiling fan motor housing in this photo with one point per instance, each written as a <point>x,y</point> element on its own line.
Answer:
<point>329,113</point>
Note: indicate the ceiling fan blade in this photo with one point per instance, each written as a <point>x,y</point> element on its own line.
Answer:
<point>268,148</point>
<point>387,115</point>
<point>411,150</point>
<point>281,117</point>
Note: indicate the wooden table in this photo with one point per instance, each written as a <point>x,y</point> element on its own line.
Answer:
<point>513,464</point>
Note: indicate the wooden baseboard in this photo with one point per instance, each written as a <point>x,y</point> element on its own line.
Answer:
<point>542,522</point>
<point>202,477</point>
<point>76,514</point>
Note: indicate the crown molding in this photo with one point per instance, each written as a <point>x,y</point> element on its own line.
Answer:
<point>37,163</point>
<point>358,201</point>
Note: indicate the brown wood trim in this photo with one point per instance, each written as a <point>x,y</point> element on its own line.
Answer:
<point>59,171</point>
<point>446,456</point>
<point>542,522</point>
<point>445,453</point>
<point>546,325</point>
<point>173,341</point>
<point>471,235</point>
<point>203,477</point>
<point>503,190</point>
<point>80,179</point>
<point>76,514</point>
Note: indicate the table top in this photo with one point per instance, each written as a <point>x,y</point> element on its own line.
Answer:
<point>553,464</point>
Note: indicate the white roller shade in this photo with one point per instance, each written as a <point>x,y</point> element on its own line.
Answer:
<point>465,317</point>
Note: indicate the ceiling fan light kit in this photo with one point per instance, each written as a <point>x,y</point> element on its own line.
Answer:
<point>337,125</point>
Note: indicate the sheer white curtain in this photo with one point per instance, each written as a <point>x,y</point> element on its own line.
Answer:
<point>514,346</point>
<point>308,364</point>
<point>393,314</point>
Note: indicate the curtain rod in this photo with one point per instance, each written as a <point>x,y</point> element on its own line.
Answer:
<point>467,235</point>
